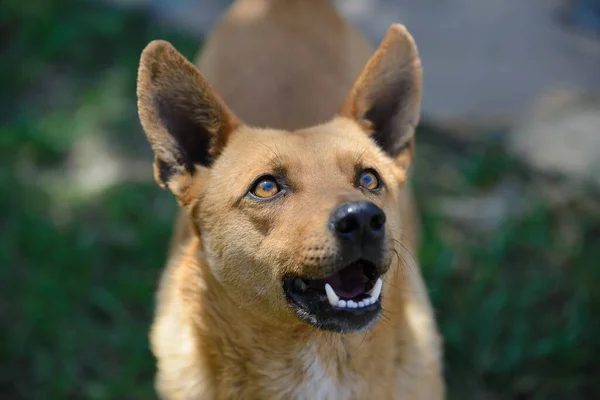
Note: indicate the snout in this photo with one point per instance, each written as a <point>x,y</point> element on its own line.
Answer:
<point>360,230</point>
<point>347,299</point>
<point>358,222</point>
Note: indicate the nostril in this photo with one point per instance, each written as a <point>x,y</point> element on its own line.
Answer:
<point>348,225</point>
<point>358,221</point>
<point>377,222</point>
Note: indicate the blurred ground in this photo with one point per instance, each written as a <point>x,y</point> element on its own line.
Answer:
<point>510,253</point>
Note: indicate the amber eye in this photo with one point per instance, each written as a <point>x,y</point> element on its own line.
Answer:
<point>265,188</point>
<point>369,180</point>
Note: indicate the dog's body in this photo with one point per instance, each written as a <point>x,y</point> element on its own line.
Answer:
<point>223,328</point>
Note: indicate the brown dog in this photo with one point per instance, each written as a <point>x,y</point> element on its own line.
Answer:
<point>291,273</point>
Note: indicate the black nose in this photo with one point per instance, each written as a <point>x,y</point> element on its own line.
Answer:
<point>359,220</point>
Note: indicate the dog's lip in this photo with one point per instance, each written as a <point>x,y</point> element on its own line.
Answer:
<point>355,288</point>
<point>355,307</point>
<point>355,279</point>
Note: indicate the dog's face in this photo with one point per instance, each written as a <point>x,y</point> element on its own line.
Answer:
<point>301,223</point>
<point>283,214</point>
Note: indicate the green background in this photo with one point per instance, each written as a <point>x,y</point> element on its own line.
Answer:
<point>79,259</point>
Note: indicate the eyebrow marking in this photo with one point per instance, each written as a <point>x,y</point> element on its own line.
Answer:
<point>359,157</point>
<point>276,161</point>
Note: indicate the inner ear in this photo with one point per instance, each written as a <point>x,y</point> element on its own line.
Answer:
<point>386,97</point>
<point>391,127</point>
<point>192,139</point>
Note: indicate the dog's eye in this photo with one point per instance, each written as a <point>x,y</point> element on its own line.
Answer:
<point>265,188</point>
<point>369,180</point>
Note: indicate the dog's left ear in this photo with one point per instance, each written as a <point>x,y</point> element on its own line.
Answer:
<point>386,97</point>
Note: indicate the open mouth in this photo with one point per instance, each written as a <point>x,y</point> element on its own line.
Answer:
<point>348,300</point>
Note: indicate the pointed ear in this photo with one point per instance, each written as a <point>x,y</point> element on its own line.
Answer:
<point>186,122</point>
<point>386,97</point>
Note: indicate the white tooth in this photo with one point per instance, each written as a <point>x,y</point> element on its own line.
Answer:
<point>351,304</point>
<point>361,303</point>
<point>367,301</point>
<point>342,303</point>
<point>331,296</point>
<point>376,291</point>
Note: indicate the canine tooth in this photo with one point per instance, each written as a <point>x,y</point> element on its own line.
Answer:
<point>361,303</point>
<point>342,303</point>
<point>351,304</point>
<point>376,291</point>
<point>331,296</point>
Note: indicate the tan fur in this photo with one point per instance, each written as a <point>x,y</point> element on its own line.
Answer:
<point>288,98</point>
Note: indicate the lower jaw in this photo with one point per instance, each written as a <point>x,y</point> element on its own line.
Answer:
<point>322,315</point>
<point>335,321</point>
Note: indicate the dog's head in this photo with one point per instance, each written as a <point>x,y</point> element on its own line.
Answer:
<point>293,224</point>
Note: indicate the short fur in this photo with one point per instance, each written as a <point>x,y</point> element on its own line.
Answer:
<point>294,90</point>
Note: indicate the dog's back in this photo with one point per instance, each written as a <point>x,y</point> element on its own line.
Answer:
<point>283,63</point>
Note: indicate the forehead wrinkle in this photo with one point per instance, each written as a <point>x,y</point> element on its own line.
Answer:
<point>314,154</point>
<point>319,166</point>
<point>333,151</point>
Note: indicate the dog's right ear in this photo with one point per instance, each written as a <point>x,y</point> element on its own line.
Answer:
<point>386,97</point>
<point>186,122</point>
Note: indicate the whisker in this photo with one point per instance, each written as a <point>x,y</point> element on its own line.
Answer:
<point>360,156</point>
<point>406,264</point>
<point>277,160</point>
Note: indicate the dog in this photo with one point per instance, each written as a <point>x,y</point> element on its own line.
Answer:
<point>291,272</point>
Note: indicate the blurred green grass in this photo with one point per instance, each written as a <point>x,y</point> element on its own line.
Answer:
<point>78,269</point>
<point>79,261</point>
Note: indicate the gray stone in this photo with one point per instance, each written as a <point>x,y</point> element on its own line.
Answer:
<point>561,135</point>
<point>485,58</point>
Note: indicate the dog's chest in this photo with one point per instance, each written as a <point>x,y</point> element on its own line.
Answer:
<point>307,376</point>
<point>318,384</point>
